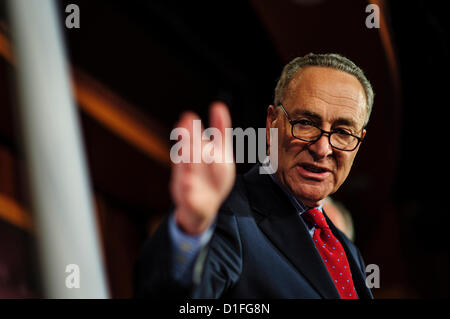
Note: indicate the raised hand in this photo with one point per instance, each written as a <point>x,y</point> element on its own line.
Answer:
<point>198,189</point>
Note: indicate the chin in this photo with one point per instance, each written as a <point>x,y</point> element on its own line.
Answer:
<point>311,194</point>
<point>311,199</point>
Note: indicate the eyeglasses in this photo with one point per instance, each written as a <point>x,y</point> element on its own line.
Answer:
<point>307,131</point>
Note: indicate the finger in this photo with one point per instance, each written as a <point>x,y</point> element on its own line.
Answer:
<point>220,118</point>
<point>187,120</point>
<point>192,123</point>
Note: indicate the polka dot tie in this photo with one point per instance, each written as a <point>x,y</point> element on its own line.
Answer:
<point>332,253</point>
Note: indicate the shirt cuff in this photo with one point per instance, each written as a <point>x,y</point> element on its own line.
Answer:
<point>185,250</point>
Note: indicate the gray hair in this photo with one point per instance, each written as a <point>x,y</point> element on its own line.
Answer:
<point>330,60</point>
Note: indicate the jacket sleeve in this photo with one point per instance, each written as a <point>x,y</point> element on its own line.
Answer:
<point>219,266</point>
<point>216,268</point>
<point>153,271</point>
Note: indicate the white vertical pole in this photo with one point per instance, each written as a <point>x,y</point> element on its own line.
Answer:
<point>60,189</point>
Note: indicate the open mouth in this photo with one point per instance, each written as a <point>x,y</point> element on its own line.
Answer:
<point>313,168</point>
<point>313,172</point>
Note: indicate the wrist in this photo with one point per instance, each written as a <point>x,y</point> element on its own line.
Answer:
<point>191,224</point>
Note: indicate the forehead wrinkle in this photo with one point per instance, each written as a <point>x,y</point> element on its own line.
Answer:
<point>347,116</point>
<point>329,98</point>
<point>350,104</point>
<point>353,99</point>
<point>312,84</point>
<point>314,90</point>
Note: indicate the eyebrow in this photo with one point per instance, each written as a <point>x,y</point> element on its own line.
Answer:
<point>317,118</point>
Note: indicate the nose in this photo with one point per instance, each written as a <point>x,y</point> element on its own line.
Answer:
<point>321,148</point>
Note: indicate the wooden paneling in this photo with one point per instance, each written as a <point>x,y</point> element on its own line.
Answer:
<point>128,157</point>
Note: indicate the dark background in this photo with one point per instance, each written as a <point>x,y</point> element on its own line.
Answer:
<point>164,57</point>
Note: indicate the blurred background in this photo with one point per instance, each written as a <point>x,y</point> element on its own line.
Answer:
<point>136,65</point>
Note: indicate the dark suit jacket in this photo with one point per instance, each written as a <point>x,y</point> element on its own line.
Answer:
<point>261,248</point>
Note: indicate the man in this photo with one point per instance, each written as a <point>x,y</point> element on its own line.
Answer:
<point>269,237</point>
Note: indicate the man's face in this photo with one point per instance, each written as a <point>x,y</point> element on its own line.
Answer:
<point>332,100</point>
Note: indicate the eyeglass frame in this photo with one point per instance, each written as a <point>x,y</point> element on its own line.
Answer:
<point>322,132</point>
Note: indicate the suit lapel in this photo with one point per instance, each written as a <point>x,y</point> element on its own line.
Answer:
<point>279,221</point>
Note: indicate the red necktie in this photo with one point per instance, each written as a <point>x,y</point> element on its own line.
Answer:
<point>332,254</point>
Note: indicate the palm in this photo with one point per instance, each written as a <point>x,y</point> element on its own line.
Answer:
<point>198,189</point>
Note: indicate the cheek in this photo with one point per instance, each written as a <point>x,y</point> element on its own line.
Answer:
<point>344,164</point>
<point>288,146</point>
<point>291,152</point>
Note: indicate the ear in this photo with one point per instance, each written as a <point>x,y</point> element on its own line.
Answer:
<point>271,120</point>
<point>363,134</point>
